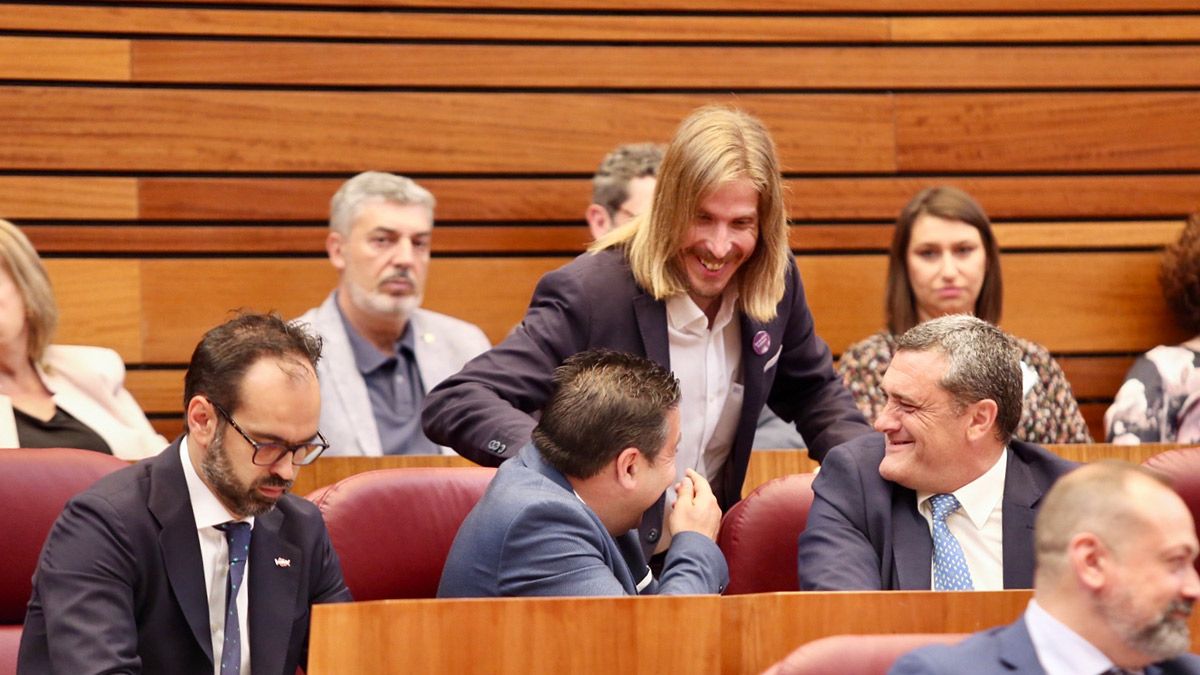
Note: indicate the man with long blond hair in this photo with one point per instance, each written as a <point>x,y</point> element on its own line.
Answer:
<point>704,284</point>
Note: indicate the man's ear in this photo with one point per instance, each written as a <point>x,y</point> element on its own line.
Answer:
<point>1091,560</point>
<point>201,420</point>
<point>982,419</point>
<point>333,246</point>
<point>628,467</point>
<point>598,220</point>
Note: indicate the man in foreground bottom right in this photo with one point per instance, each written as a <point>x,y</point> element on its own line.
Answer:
<point>1114,586</point>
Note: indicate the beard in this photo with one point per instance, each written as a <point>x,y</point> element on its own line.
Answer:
<point>218,471</point>
<point>1165,636</point>
<point>376,302</point>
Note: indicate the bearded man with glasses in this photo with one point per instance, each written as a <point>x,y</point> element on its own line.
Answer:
<point>150,569</point>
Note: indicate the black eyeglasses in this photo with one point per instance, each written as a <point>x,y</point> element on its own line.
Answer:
<point>266,454</point>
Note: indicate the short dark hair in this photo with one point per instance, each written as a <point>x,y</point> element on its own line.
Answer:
<point>982,361</point>
<point>226,352</point>
<point>1180,276</point>
<point>603,402</point>
<point>952,204</point>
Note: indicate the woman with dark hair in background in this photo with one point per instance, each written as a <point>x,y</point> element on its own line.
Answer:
<point>1160,399</point>
<point>944,260</point>
<point>58,395</point>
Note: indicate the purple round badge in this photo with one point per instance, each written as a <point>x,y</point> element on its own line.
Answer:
<point>762,342</point>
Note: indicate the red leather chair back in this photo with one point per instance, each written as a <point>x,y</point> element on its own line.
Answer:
<point>858,654</point>
<point>392,528</point>
<point>35,484</point>
<point>1182,466</point>
<point>759,535</point>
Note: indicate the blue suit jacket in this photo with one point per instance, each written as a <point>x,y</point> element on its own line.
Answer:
<point>530,534</point>
<point>120,584</point>
<point>1002,651</point>
<point>484,411</point>
<point>865,533</point>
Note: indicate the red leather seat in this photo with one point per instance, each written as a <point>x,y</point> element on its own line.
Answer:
<point>35,484</point>
<point>858,654</point>
<point>1182,466</point>
<point>759,535</point>
<point>392,528</point>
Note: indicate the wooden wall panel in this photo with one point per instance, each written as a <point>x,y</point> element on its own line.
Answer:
<point>39,58</point>
<point>821,199</point>
<point>99,303</point>
<point>801,6</point>
<point>202,130</point>
<point>755,67</point>
<point>1048,132</point>
<point>68,197</point>
<point>993,29</point>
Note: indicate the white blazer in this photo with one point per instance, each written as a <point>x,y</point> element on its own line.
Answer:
<point>89,383</point>
<point>442,344</point>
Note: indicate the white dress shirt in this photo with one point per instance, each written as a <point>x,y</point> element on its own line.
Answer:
<point>214,553</point>
<point>978,525</point>
<point>708,363</point>
<point>1060,650</point>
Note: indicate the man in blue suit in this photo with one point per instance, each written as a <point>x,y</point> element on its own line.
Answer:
<point>197,561</point>
<point>945,498</point>
<point>1116,582</point>
<point>561,517</point>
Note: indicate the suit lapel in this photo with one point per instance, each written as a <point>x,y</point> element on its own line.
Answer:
<point>912,545</point>
<point>179,544</point>
<point>275,569</point>
<point>652,324</point>
<point>1021,493</point>
<point>353,403</point>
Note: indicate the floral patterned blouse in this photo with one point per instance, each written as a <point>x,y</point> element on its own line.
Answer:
<point>1051,414</point>
<point>1160,399</point>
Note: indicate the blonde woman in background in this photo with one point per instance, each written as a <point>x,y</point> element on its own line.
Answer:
<point>58,395</point>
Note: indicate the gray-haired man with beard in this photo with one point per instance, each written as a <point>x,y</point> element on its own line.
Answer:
<point>1116,580</point>
<point>150,570</point>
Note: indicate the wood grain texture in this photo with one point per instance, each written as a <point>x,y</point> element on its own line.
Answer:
<point>58,58</point>
<point>328,469</point>
<point>797,6</point>
<point>1047,132</point>
<point>99,303</point>
<point>665,67</point>
<point>203,130</point>
<point>158,390</point>
<point>398,25</point>
<point>606,635</point>
<point>810,199</point>
<point>69,197</point>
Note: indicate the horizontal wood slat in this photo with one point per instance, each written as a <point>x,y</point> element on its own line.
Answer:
<point>527,239</point>
<point>1047,132</point>
<point>198,130</point>
<point>427,25</point>
<point>756,67</point>
<point>797,6</point>
<point>68,197</point>
<point>38,58</point>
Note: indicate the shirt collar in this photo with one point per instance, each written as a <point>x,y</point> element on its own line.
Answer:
<point>1058,648</point>
<point>206,508</point>
<point>685,316</point>
<point>979,497</point>
<point>366,357</point>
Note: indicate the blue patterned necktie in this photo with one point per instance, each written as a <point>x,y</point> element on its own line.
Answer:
<point>238,536</point>
<point>950,571</point>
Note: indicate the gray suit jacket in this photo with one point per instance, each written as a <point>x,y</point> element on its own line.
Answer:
<point>865,533</point>
<point>1003,651</point>
<point>443,345</point>
<point>120,585</point>
<point>531,534</point>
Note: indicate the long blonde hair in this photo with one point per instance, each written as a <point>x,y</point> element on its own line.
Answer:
<point>22,263</point>
<point>713,146</point>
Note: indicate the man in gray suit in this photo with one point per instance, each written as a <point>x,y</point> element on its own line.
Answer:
<point>560,518</point>
<point>382,351</point>
<point>1116,582</point>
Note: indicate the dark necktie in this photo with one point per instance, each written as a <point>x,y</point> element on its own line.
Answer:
<point>238,536</point>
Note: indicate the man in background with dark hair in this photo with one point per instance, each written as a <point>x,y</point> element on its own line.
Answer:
<point>150,569</point>
<point>561,517</point>
<point>623,186</point>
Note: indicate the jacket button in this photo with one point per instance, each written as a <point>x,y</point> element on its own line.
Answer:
<point>652,536</point>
